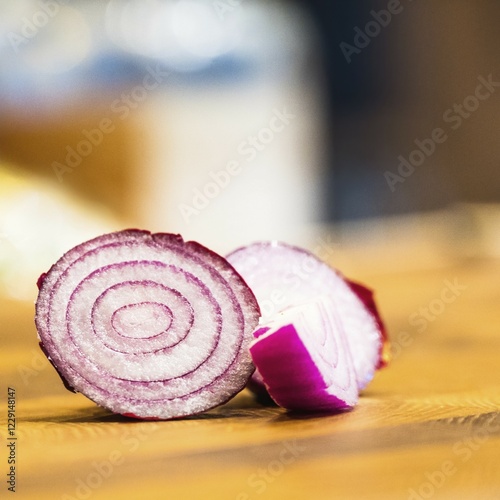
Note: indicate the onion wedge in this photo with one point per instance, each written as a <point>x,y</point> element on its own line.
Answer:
<point>304,360</point>
<point>283,276</point>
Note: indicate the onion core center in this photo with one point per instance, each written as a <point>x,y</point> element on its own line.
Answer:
<point>143,320</point>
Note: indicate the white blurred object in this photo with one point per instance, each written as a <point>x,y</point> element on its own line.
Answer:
<point>205,179</point>
<point>38,223</point>
<point>187,35</point>
<point>237,160</point>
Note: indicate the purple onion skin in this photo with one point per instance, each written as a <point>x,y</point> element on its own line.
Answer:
<point>65,382</point>
<point>366,295</point>
<point>40,280</point>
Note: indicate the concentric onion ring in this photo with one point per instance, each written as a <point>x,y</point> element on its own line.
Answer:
<point>147,324</point>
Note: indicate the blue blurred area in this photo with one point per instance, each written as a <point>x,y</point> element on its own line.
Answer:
<point>44,62</point>
<point>391,79</point>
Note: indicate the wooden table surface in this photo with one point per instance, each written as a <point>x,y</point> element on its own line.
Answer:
<point>427,427</point>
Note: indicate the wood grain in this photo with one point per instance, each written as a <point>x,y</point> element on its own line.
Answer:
<point>427,427</point>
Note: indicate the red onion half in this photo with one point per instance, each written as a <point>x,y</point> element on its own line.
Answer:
<point>304,360</point>
<point>147,325</point>
<point>283,276</point>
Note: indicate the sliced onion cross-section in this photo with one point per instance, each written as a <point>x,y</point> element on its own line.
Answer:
<point>147,325</point>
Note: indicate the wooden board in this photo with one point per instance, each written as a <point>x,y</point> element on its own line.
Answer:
<point>427,427</point>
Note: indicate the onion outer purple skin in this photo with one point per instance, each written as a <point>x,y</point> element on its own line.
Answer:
<point>366,295</point>
<point>226,284</point>
<point>64,380</point>
<point>290,374</point>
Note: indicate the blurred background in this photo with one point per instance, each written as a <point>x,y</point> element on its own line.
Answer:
<point>323,123</point>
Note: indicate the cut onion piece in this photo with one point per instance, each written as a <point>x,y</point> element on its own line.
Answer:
<point>304,360</point>
<point>147,325</point>
<point>282,276</point>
